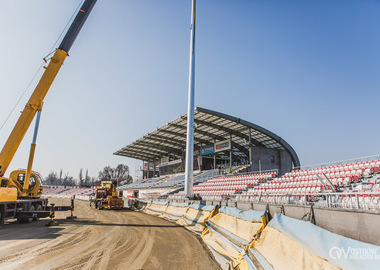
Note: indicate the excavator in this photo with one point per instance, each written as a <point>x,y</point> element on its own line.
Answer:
<point>20,193</point>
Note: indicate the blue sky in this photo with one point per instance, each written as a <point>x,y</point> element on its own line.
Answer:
<point>306,70</point>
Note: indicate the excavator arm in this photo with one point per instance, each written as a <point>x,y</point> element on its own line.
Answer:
<point>36,100</point>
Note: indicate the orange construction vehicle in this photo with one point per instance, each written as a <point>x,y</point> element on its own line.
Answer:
<point>106,196</point>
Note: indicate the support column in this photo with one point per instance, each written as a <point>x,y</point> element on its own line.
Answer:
<point>148,169</point>
<point>189,177</point>
<point>200,158</point>
<point>214,156</point>
<point>143,169</point>
<point>231,151</point>
<point>154,167</point>
<point>250,145</point>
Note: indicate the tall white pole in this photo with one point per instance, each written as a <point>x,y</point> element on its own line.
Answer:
<point>190,111</point>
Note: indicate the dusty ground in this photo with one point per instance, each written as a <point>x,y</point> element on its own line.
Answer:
<point>101,240</point>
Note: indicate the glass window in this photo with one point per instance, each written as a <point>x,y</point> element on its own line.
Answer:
<point>32,181</point>
<point>21,179</point>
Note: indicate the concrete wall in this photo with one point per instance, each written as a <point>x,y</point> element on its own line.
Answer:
<point>269,159</point>
<point>360,226</point>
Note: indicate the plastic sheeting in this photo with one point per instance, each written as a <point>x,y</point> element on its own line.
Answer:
<point>202,207</point>
<point>243,229</point>
<point>221,244</point>
<point>144,201</point>
<point>174,213</point>
<point>193,219</point>
<point>179,204</point>
<point>231,230</point>
<point>249,215</point>
<point>160,203</point>
<point>192,216</point>
<point>285,243</point>
<point>228,249</point>
<point>341,251</point>
<point>282,252</point>
<point>143,205</point>
<point>155,209</point>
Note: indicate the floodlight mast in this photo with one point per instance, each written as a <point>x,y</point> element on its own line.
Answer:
<point>189,177</point>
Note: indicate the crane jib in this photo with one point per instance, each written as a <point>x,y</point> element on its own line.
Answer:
<point>77,25</point>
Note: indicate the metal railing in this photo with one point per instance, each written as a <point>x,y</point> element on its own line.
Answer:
<point>341,162</point>
<point>259,172</point>
<point>349,200</point>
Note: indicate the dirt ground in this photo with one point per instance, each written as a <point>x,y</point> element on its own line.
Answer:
<point>101,240</point>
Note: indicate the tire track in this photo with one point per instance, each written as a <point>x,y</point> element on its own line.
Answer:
<point>102,240</point>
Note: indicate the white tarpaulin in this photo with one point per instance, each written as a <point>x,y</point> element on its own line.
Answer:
<point>341,251</point>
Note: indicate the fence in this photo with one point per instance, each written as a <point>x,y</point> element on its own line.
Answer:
<point>341,162</point>
<point>352,200</point>
<point>259,172</point>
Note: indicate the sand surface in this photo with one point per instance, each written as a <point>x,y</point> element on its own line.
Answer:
<point>101,239</point>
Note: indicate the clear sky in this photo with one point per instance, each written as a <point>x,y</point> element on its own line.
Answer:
<point>309,71</point>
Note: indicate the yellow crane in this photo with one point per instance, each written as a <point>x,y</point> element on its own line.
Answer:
<point>20,192</point>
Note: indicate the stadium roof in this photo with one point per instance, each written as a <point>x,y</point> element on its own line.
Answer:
<point>210,126</point>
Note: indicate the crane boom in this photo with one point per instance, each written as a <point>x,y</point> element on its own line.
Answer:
<point>36,100</point>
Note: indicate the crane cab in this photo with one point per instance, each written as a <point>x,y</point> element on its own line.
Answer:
<point>16,181</point>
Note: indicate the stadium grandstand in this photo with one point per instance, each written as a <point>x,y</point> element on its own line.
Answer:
<point>350,184</point>
<point>222,144</point>
<point>235,160</point>
<point>51,190</point>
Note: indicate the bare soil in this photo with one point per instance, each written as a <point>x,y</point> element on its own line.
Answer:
<point>101,239</point>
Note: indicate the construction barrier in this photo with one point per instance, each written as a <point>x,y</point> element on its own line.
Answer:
<point>231,230</point>
<point>191,216</point>
<point>143,205</point>
<point>195,216</point>
<point>239,225</point>
<point>156,208</point>
<point>175,211</point>
<point>250,241</point>
<point>288,243</point>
